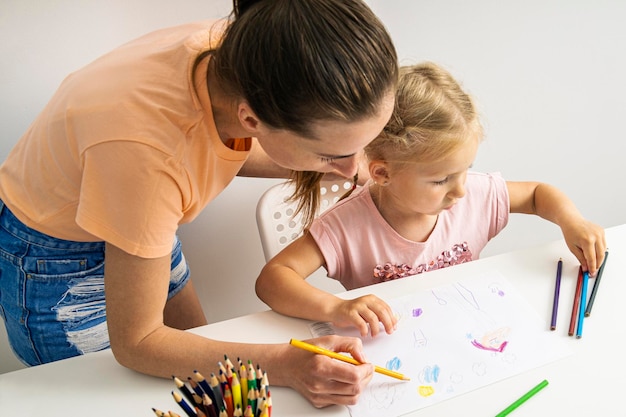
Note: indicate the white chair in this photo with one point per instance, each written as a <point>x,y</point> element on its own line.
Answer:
<point>275,218</point>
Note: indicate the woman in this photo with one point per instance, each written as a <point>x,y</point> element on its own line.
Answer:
<point>140,140</point>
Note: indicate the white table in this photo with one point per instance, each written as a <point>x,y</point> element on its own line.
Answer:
<point>585,383</point>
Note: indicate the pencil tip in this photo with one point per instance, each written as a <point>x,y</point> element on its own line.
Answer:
<point>552,328</point>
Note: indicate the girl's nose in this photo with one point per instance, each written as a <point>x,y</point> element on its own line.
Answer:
<point>458,189</point>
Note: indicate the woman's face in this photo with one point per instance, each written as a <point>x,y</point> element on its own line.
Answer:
<point>337,148</point>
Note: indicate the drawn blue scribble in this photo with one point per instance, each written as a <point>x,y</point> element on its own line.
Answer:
<point>430,374</point>
<point>467,295</point>
<point>394,364</point>
<point>440,300</point>
<point>417,312</point>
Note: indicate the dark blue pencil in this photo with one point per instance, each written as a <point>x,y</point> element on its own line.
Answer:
<point>596,284</point>
<point>557,289</point>
<point>184,405</point>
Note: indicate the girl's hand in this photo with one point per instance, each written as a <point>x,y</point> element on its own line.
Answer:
<point>587,242</point>
<point>365,313</point>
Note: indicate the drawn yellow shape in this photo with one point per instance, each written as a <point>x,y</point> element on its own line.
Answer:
<point>426,390</point>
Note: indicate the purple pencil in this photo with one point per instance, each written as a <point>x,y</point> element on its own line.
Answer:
<point>557,289</point>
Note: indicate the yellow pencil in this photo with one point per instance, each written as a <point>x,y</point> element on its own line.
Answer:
<point>321,351</point>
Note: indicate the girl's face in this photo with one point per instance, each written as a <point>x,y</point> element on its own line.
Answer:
<point>429,188</point>
<point>337,148</point>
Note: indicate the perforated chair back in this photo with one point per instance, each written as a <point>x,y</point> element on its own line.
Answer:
<point>275,219</point>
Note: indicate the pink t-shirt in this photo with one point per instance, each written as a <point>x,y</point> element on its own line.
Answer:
<point>127,148</point>
<point>360,248</point>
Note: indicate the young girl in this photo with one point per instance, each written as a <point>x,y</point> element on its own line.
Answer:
<point>141,140</point>
<point>421,210</point>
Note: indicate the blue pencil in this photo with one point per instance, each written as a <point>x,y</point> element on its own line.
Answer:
<point>184,405</point>
<point>583,302</point>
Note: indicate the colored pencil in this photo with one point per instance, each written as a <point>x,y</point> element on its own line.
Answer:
<point>251,376</point>
<point>321,351</point>
<point>201,380</point>
<point>579,285</point>
<point>217,391</point>
<point>583,305</point>
<point>243,380</point>
<point>236,391</point>
<point>184,404</point>
<point>212,411</point>
<point>557,289</point>
<point>183,388</point>
<point>228,401</point>
<point>523,399</point>
<point>596,284</point>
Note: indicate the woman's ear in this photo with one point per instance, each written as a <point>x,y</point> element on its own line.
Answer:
<point>250,121</point>
<point>379,172</point>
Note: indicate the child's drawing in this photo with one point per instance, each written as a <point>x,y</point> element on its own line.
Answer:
<point>450,340</point>
<point>419,339</point>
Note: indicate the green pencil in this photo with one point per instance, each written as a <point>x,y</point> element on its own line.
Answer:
<point>523,399</point>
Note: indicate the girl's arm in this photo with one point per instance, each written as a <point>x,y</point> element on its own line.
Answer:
<point>137,313</point>
<point>585,239</point>
<point>282,286</point>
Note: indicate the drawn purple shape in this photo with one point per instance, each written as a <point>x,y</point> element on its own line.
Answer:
<point>490,348</point>
<point>417,312</point>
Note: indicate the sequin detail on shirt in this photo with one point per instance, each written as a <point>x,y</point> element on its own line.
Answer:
<point>459,254</point>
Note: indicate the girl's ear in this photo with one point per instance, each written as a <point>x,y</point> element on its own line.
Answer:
<point>379,172</point>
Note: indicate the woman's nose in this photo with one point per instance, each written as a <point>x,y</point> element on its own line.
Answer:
<point>346,167</point>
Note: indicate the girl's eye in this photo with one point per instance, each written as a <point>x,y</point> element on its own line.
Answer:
<point>327,160</point>
<point>442,182</point>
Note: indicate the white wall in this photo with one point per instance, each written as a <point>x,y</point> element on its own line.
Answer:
<point>547,75</point>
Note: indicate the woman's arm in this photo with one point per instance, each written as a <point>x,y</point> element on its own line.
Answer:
<point>282,286</point>
<point>585,239</point>
<point>136,292</point>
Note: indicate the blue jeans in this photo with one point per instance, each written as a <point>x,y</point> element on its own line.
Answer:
<point>52,292</point>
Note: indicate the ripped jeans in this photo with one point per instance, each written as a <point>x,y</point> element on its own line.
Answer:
<point>52,292</point>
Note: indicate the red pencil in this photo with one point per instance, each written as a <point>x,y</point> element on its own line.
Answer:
<point>575,307</point>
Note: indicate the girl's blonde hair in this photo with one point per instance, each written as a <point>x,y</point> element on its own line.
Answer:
<point>432,117</point>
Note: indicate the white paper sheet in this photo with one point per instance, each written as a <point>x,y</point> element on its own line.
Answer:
<point>451,340</point>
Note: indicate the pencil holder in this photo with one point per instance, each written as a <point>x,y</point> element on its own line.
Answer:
<point>229,392</point>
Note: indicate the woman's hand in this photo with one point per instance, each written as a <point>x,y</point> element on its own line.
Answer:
<point>325,381</point>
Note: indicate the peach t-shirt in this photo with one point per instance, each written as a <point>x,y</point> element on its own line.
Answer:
<point>127,149</point>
